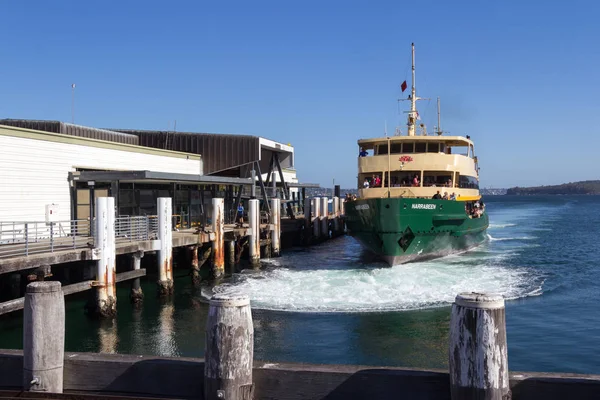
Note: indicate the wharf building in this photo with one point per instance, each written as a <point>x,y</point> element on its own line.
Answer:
<point>52,169</point>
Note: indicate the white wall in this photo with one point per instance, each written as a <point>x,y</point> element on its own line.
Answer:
<point>34,173</point>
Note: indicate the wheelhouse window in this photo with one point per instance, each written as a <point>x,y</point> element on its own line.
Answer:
<point>420,147</point>
<point>382,149</point>
<point>408,147</point>
<point>433,147</point>
<point>468,182</point>
<point>396,148</point>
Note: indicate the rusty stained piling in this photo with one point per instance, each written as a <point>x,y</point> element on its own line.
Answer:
<point>477,352</point>
<point>254,237</point>
<point>218,250</point>
<point>165,253</point>
<point>43,337</point>
<point>105,301</point>
<point>307,221</point>
<point>324,218</point>
<point>229,349</point>
<point>136,295</point>
<point>276,227</point>
<point>316,217</point>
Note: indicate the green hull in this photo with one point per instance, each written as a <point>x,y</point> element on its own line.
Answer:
<point>401,230</point>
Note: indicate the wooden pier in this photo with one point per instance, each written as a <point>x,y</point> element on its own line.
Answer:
<point>94,248</point>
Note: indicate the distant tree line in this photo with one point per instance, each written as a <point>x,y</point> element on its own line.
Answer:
<point>583,187</point>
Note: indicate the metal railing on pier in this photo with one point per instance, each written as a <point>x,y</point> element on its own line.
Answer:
<point>19,239</point>
<point>26,238</point>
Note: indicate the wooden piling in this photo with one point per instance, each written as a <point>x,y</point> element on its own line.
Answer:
<point>218,251</point>
<point>254,237</point>
<point>229,349</point>
<point>231,254</point>
<point>165,253</point>
<point>478,354</point>
<point>336,216</point>
<point>136,295</point>
<point>106,270</point>
<point>324,218</point>
<point>276,227</point>
<point>43,337</point>
<point>307,222</point>
<point>316,217</point>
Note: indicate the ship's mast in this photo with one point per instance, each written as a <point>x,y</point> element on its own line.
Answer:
<point>439,126</point>
<point>412,116</point>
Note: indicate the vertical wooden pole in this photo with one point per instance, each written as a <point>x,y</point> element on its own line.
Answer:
<point>106,272</point>
<point>307,221</point>
<point>43,337</point>
<point>218,250</point>
<point>316,217</point>
<point>478,354</point>
<point>136,294</point>
<point>324,218</point>
<point>165,253</point>
<point>195,266</point>
<point>231,254</point>
<point>229,349</point>
<point>336,215</point>
<point>254,238</point>
<point>276,226</point>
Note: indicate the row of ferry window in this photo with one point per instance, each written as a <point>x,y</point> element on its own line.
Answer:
<point>423,179</point>
<point>422,147</point>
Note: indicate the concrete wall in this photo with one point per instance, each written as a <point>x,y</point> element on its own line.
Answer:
<point>34,168</point>
<point>183,378</point>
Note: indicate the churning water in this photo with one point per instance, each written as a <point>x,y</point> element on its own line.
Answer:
<point>335,303</point>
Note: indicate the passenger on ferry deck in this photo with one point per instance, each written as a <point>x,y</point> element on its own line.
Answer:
<point>453,196</point>
<point>366,183</point>
<point>362,153</point>
<point>415,181</point>
<point>445,196</point>
<point>376,181</point>
<point>449,183</point>
<point>437,196</point>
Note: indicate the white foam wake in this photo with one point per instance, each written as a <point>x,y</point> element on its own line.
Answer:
<point>406,287</point>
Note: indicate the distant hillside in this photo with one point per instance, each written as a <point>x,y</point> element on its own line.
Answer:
<point>583,187</point>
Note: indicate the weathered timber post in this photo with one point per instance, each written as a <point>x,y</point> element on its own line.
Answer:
<point>218,250</point>
<point>336,215</point>
<point>276,226</point>
<point>324,218</point>
<point>254,237</point>
<point>136,295</point>
<point>229,350</point>
<point>193,250</point>
<point>231,254</point>
<point>106,271</point>
<point>43,337</point>
<point>316,217</point>
<point>307,221</point>
<point>478,354</point>
<point>165,253</point>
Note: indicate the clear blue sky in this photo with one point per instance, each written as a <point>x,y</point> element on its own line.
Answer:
<point>520,77</point>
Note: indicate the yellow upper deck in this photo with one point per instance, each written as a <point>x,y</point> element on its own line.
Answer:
<point>440,163</point>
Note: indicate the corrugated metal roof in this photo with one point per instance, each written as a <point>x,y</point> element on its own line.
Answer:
<point>219,151</point>
<point>72,129</point>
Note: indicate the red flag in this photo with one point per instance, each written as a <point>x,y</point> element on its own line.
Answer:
<point>403,86</point>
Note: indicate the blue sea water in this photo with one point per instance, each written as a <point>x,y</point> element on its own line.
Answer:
<point>336,304</point>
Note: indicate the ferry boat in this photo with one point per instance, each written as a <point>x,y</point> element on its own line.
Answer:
<point>418,194</point>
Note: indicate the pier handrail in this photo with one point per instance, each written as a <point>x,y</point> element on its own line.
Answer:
<point>24,238</point>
